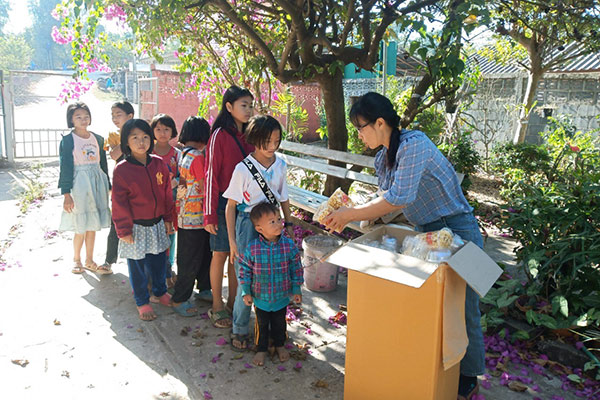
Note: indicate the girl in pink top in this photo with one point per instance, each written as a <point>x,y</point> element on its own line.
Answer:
<point>165,130</point>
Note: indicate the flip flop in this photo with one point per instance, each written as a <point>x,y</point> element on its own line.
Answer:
<point>220,319</point>
<point>93,267</point>
<point>104,269</point>
<point>146,308</point>
<point>77,268</point>
<point>241,339</point>
<point>184,308</point>
<point>165,299</point>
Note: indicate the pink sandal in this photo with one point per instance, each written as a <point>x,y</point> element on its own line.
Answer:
<point>165,299</point>
<point>146,309</point>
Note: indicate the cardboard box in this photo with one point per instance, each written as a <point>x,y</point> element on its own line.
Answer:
<point>406,318</point>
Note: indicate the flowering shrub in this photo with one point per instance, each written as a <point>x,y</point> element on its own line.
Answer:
<point>556,221</point>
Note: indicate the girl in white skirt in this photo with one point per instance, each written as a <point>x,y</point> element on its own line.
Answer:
<point>83,181</point>
<point>142,203</point>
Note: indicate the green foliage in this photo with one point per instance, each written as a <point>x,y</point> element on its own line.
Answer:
<point>47,53</point>
<point>34,190</point>
<point>431,121</point>
<point>463,156</point>
<point>4,7</point>
<point>555,217</point>
<point>15,52</point>
<point>296,117</point>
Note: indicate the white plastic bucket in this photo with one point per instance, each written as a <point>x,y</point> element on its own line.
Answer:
<point>319,276</point>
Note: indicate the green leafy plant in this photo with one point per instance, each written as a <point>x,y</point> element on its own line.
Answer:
<point>556,220</point>
<point>463,156</point>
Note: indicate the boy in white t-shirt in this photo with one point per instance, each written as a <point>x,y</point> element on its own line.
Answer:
<point>243,193</point>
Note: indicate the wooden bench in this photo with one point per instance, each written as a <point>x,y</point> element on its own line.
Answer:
<point>310,201</point>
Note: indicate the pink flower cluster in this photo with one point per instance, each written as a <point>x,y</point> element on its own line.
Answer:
<point>73,89</point>
<point>62,35</point>
<point>115,12</point>
<point>59,12</point>
<point>93,65</point>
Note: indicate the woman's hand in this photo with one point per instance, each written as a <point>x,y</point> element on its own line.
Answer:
<point>298,298</point>
<point>211,228</point>
<point>68,203</point>
<point>128,239</point>
<point>169,228</point>
<point>248,300</point>
<point>337,220</point>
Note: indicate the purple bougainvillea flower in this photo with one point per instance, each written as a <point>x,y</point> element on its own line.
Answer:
<point>248,365</point>
<point>221,341</point>
<point>298,365</point>
<point>555,397</point>
<point>203,375</point>
<point>207,395</point>
<point>129,326</point>
<point>486,384</point>
<point>216,358</point>
<point>535,388</point>
<point>204,315</point>
<point>281,368</point>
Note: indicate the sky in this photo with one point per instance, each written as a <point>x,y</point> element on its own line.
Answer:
<point>19,17</point>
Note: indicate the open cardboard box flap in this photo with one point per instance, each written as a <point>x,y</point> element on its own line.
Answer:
<point>470,262</point>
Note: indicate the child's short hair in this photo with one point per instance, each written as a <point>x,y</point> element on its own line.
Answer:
<point>259,130</point>
<point>262,209</point>
<point>74,107</point>
<point>195,129</point>
<point>126,131</point>
<point>124,106</point>
<point>165,120</point>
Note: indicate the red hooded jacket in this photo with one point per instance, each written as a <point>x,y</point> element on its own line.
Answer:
<point>222,155</point>
<point>140,192</point>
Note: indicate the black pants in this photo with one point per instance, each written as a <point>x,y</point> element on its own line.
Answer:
<point>273,323</point>
<point>112,245</point>
<point>193,262</point>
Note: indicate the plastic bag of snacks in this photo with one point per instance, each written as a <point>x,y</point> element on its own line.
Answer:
<point>338,199</point>
<point>113,140</point>
<point>436,246</point>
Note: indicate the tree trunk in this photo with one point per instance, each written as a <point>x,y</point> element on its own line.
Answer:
<point>533,78</point>
<point>333,100</point>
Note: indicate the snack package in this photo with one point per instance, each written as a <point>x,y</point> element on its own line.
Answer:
<point>338,199</point>
<point>434,246</point>
<point>114,139</point>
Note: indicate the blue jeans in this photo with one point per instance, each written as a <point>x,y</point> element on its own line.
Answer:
<point>465,225</point>
<point>155,264</point>
<point>244,234</point>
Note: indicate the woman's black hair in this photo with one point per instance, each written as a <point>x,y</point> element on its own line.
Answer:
<point>74,107</point>
<point>259,129</point>
<point>126,131</point>
<point>372,106</point>
<point>224,119</point>
<point>124,106</point>
<point>165,120</point>
<point>195,129</point>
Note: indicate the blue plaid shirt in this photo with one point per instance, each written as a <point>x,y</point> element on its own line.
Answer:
<point>423,180</point>
<point>271,272</point>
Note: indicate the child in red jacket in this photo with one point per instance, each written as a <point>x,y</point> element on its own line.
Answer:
<point>142,202</point>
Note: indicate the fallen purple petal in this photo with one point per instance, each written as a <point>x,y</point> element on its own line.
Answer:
<point>485,384</point>
<point>281,368</point>
<point>204,315</point>
<point>248,365</point>
<point>203,375</point>
<point>129,326</point>
<point>298,365</point>
<point>215,359</point>
<point>221,341</point>
<point>207,395</point>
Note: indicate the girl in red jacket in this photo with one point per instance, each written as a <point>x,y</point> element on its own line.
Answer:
<point>226,148</point>
<point>142,202</point>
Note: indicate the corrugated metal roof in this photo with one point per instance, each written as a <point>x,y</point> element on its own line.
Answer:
<point>585,63</point>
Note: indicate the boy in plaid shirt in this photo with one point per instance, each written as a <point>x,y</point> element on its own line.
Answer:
<point>270,271</point>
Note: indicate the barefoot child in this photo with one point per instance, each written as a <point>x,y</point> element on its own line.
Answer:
<point>270,271</point>
<point>142,202</point>
<point>243,193</point>
<point>121,112</point>
<point>226,148</point>
<point>193,242</point>
<point>84,182</point>
<point>164,130</point>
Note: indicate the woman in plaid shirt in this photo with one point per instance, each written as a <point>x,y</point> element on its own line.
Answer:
<point>418,179</point>
<point>270,271</point>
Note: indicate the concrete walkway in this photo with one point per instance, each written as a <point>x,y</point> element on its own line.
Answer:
<point>79,336</point>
